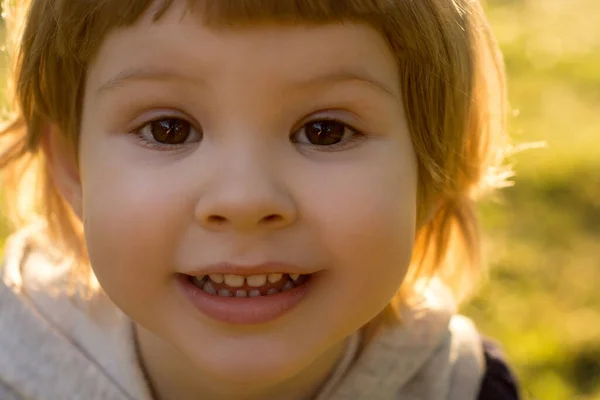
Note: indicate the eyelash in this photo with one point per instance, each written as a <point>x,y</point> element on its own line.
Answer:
<point>357,136</point>
<point>155,145</point>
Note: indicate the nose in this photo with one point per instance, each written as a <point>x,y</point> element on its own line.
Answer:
<point>245,200</point>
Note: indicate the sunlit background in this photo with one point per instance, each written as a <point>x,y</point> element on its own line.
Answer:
<point>543,235</point>
<point>543,300</point>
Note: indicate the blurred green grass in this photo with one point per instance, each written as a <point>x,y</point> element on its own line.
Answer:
<point>543,235</point>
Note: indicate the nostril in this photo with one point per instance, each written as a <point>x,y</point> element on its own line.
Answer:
<point>269,219</point>
<point>217,219</point>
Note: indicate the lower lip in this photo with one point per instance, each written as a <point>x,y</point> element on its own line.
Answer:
<point>245,310</point>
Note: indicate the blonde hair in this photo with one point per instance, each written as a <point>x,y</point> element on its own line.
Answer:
<point>452,86</point>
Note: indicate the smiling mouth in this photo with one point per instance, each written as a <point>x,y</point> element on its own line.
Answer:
<point>240,286</point>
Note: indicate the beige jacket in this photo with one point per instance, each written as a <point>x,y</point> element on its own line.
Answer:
<point>50,349</point>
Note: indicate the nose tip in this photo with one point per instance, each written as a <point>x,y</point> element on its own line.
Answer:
<point>247,192</point>
<point>233,208</point>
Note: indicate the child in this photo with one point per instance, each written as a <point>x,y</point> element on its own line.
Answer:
<point>251,199</point>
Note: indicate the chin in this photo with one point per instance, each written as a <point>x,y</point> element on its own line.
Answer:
<point>246,359</point>
<point>265,365</point>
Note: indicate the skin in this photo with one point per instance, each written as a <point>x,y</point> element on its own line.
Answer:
<point>244,191</point>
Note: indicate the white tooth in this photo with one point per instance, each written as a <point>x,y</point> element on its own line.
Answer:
<point>224,292</point>
<point>295,277</point>
<point>272,291</point>
<point>288,285</point>
<point>217,278</point>
<point>241,293</point>
<point>234,280</point>
<point>208,288</point>
<point>274,278</point>
<point>254,293</point>
<point>256,280</point>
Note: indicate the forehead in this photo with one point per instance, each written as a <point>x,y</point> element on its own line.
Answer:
<point>180,43</point>
<point>83,26</point>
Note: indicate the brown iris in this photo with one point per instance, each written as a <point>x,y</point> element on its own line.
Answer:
<point>170,131</point>
<point>324,133</point>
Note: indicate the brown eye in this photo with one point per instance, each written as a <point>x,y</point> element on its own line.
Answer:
<point>170,131</point>
<point>325,133</point>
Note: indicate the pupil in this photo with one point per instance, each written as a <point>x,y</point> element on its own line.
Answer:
<point>170,131</point>
<point>325,132</point>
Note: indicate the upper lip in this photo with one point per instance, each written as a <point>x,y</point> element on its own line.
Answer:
<point>271,267</point>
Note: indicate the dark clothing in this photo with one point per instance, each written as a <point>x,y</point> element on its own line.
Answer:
<point>499,382</point>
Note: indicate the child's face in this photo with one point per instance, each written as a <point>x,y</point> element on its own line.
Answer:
<point>253,172</point>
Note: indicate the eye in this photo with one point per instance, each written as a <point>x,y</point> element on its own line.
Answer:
<point>168,132</point>
<point>324,133</point>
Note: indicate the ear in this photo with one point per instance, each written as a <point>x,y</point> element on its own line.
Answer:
<point>63,168</point>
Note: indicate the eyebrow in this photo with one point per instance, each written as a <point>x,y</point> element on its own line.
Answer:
<point>137,74</point>
<point>154,74</point>
<point>349,75</point>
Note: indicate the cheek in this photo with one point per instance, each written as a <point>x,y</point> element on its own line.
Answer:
<point>370,211</point>
<point>366,222</point>
<point>131,222</point>
<point>372,231</point>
